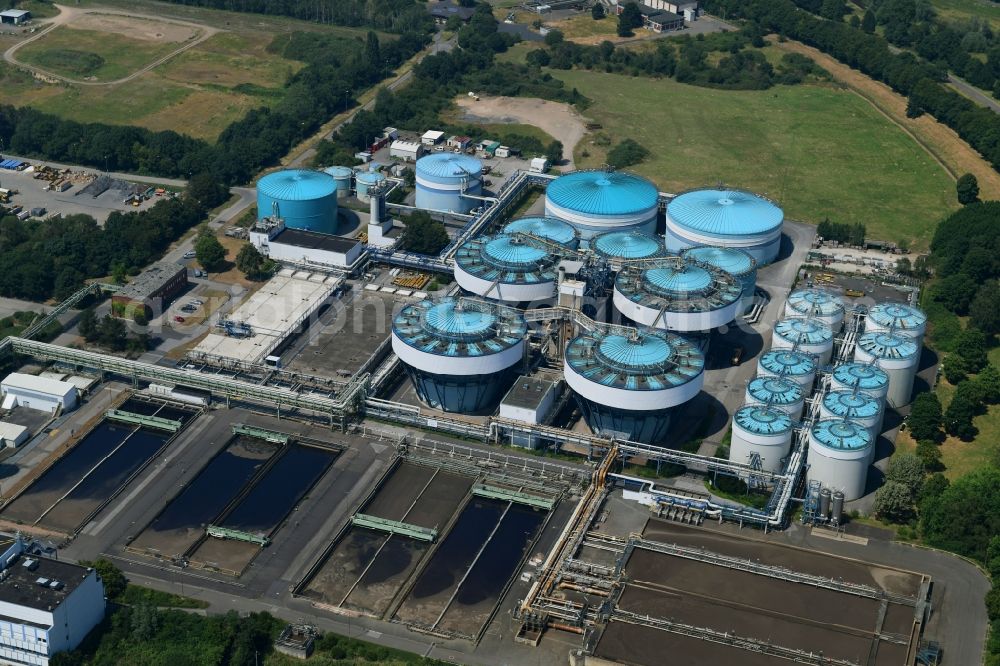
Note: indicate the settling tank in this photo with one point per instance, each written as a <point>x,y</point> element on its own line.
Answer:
<point>364,181</point>
<point>344,177</point>
<point>597,201</point>
<point>726,218</point>
<point>807,335</point>
<point>736,262</point>
<point>856,406</point>
<point>839,454</point>
<point>779,392</point>
<point>862,376</point>
<point>461,354</point>
<point>442,179</point>
<point>677,294</point>
<point>618,245</point>
<point>506,268</point>
<point>901,318</point>
<point>549,228</point>
<point>303,199</point>
<point>761,430</point>
<point>897,355</point>
<point>816,304</point>
<point>794,365</point>
<point>631,383</point>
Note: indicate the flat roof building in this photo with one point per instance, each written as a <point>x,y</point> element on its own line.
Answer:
<point>151,290</point>
<point>15,16</point>
<point>12,434</point>
<point>38,393</point>
<point>298,246</point>
<point>432,137</point>
<point>409,151</point>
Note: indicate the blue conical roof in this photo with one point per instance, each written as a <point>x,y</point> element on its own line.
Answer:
<point>603,193</point>
<point>725,213</point>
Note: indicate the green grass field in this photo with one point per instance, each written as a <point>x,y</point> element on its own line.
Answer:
<point>819,150</point>
<point>963,10</point>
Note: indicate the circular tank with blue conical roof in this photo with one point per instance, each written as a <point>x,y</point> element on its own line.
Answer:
<point>734,261</point>
<point>816,304</point>
<point>897,355</point>
<point>760,430</point>
<point>726,218</point>
<point>365,182</point>
<point>677,294</point>
<point>512,269</point>
<point>900,318</point>
<point>866,377</point>
<point>795,365</point>
<point>461,354</point>
<point>304,199</point>
<point>344,177</point>
<point>779,392</point>
<point>811,336</point>
<point>598,201</point>
<point>549,228</point>
<point>617,245</point>
<point>855,405</point>
<point>839,454</point>
<point>629,383</point>
<point>443,178</point>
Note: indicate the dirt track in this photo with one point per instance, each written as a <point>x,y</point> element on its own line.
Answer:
<point>559,120</point>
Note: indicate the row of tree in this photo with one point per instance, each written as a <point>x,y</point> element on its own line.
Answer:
<point>842,232</point>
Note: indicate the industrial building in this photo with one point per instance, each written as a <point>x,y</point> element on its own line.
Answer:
<point>461,354</point>
<point>408,151</point>
<point>47,606</point>
<point>449,182</point>
<point>15,16</point>
<point>725,218</point>
<point>303,199</point>
<point>12,435</point>
<point>598,201</point>
<point>38,393</point>
<point>627,385</point>
<point>677,294</point>
<point>303,248</point>
<point>506,268</point>
<point>734,261</point>
<point>149,292</point>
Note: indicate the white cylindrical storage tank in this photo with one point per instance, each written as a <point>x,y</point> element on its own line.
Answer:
<point>725,218</point>
<point>506,268</point>
<point>816,304</point>
<point>861,408</point>
<point>761,430</point>
<point>461,354</point>
<point>734,261</point>
<point>631,383</point>
<point>779,392</point>
<point>794,365</point>
<point>344,177</point>
<point>598,201</point>
<point>549,228</point>
<point>677,294</point>
<point>618,245</point>
<point>442,179</point>
<point>304,199</point>
<point>839,454</point>
<point>866,377</point>
<point>900,318</point>
<point>366,180</point>
<point>897,355</point>
<point>806,335</point>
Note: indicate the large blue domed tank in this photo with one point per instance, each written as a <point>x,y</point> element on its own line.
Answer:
<point>442,179</point>
<point>727,218</point>
<point>598,201</point>
<point>303,199</point>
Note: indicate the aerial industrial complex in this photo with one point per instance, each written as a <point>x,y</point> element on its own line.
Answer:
<point>522,462</point>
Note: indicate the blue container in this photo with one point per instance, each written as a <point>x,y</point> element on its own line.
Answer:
<point>303,199</point>
<point>442,179</point>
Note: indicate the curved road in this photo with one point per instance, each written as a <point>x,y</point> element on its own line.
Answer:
<point>67,14</point>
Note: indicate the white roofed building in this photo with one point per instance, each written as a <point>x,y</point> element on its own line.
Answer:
<point>40,393</point>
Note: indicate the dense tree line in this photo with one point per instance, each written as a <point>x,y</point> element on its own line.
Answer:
<point>852,234</point>
<point>871,54</point>
<point>390,15</point>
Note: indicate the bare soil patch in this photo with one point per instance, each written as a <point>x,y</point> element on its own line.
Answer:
<point>135,28</point>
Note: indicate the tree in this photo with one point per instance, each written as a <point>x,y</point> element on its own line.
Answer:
<point>984,310</point>
<point>373,52</point>
<point>971,345</point>
<point>112,577</point>
<point>868,22</point>
<point>252,263</point>
<point>955,292</point>
<point>554,152</point>
<point>88,325</point>
<point>597,11</point>
<point>627,153</point>
<point>993,557</point>
<point>930,455</point>
<point>209,251</point>
<point>893,502</point>
<point>924,421</point>
<point>630,18</point>
<point>965,516</point>
<point>423,234</point>
<point>989,384</point>
<point>833,9</point>
<point>119,275</point>
<point>958,417</point>
<point>207,189</point>
<point>967,189</point>
<point>907,470</point>
<point>554,38</point>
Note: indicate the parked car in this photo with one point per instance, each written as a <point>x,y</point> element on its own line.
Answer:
<point>189,254</point>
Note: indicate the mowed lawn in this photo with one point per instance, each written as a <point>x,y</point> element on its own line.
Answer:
<point>819,150</point>
<point>71,52</point>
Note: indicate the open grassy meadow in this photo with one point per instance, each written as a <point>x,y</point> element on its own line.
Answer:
<point>820,150</point>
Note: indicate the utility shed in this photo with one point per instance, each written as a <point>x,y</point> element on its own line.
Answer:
<point>39,393</point>
<point>15,16</point>
<point>530,400</point>
<point>432,137</point>
<point>12,435</point>
<point>409,151</point>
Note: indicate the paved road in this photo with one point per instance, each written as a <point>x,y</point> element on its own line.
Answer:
<point>67,14</point>
<point>9,306</point>
<point>974,93</point>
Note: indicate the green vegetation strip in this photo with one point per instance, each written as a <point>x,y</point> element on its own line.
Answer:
<point>507,495</point>
<point>394,527</point>
<point>236,535</point>
<point>143,420</point>
<point>260,433</point>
